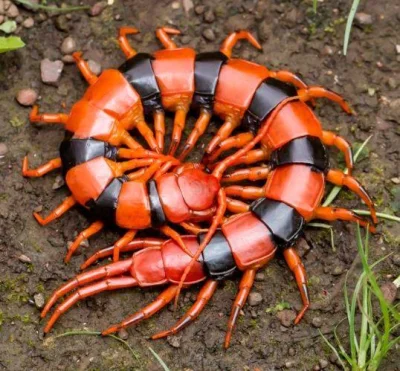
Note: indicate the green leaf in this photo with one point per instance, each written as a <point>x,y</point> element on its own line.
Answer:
<point>10,43</point>
<point>349,25</point>
<point>8,26</point>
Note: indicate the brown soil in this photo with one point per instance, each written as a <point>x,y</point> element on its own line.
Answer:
<point>294,39</point>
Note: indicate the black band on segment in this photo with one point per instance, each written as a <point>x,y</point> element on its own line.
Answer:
<point>206,71</point>
<point>282,220</point>
<point>217,257</point>
<point>268,95</point>
<point>106,204</point>
<point>138,71</point>
<point>305,150</point>
<point>157,213</point>
<point>77,151</point>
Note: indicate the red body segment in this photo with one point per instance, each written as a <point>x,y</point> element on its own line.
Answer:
<point>148,267</point>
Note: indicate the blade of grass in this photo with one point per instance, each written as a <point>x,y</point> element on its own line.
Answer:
<point>335,190</point>
<point>380,215</point>
<point>159,359</point>
<point>325,226</point>
<point>315,3</point>
<point>333,349</point>
<point>349,24</point>
<point>51,8</point>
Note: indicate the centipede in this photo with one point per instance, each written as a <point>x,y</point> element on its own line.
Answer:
<point>277,141</point>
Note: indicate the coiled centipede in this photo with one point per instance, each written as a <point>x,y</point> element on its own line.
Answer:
<point>290,154</point>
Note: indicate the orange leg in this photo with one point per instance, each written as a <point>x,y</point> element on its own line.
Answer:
<point>198,130</point>
<point>252,174</point>
<point>137,244</point>
<point>122,242</point>
<point>224,132</point>
<point>159,127</point>
<point>288,77</point>
<point>136,175</point>
<point>203,215</point>
<point>320,92</point>
<point>83,66</point>
<point>338,178</point>
<point>248,193</point>
<point>174,235</point>
<point>41,170</point>
<point>161,301</point>
<point>148,135</point>
<point>57,212</point>
<point>296,266</point>
<point>125,166</point>
<point>150,171</point>
<point>203,298</point>
<point>108,284</point>
<point>236,206</point>
<point>229,43</point>
<point>124,43</point>
<point>192,228</point>
<point>124,153</point>
<point>251,157</point>
<point>162,35</point>
<point>331,213</point>
<point>238,141</point>
<point>179,125</point>
<point>52,118</point>
<point>244,289</point>
<point>123,137</point>
<point>331,139</point>
<point>84,235</point>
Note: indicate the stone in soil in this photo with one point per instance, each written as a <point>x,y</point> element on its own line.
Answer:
<point>97,8</point>
<point>199,9</point>
<point>68,46</point>
<point>58,182</point>
<point>317,322</point>
<point>12,11</point>
<point>3,149</point>
<point>174,341</point>
<point>94,66</point>
<point>209,16</point>
<point>260,277</point>
<point>363,19</point>
<point>389,291</point>
<point>187,6</point>
<point>51,71</point>
<point>28,22</point>
<point>209,34</point>
<point>255,298</point>
<point>323,363</point>
<point>24,259</point>
<point>39,300</point>
<point>27,97</point>
<point>286,317</point>
<point>123,334</point>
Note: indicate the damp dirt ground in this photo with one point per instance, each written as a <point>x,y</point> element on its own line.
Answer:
<point>293,38</point>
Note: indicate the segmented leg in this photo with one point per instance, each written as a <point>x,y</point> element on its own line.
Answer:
<point>319,92</point>
<point>148,135</point>
<point>236,206</point>
<point>139,243</point>
<point>248,193</point>
<point>252,174</point>
<point>203,215</point>
<point>238,141</point>
<point>244,289</point>
<point>110,270</point>
<point>338,178</point>
<point>57,212</point>
<point>331,139</point>
<point>296,266</point>
<point>251,157</point>
<point>205,294</point>
<point>159,128</point>
<point>83,66</point>
<point>192,228</point>
<point>41,170</point>
<point>84,235</point>
<point>150,171</point>
<point>179,125</point>
<point>162,35</point>
<point>223,133</point>
<point>161,301</point>
<point>108,284</point>
<point>288,77</point>
<point>59,118</point>
<point>333,213</point>
<point>125,138</point>
<point>136,175</point>
<point>199,128</point>
<point>122,242</point>
<point>125,166</point>
<point>232,39</point>
<point>124,43</point>
<point>124,153</point>
<point>174,235</point>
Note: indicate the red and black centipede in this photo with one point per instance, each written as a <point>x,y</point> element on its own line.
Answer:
<point>280,142</point>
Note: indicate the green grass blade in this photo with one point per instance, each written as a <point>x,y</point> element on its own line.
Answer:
<point>315,3</point>
<point>159,359</point>
<point>325,226</point>
<point>349,24</point>
<point>35,6</point>
<point>392,218</point>
<point>334,350</point>
<point>335,190</point>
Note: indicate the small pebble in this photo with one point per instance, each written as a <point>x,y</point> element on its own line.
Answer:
<point>3,149</point>
<point>260,277</point>
<point>174,341</point>
<point>327,50</point>
<point>123,334</point>
<point>12,11</point>
<point>316,368</point>
<point>395,258</point>
<point>337,271</point>
<point>395,180</point>
<point>398,48</point>
<point>187,6</point>
<point>175,5</point>
<point>94,66</point>
<point>38,209</point>
<point>51,71</point>
<point>39,300</point>
<point>58,182</point>
<point>28,22</point>
<point>24,259</point>
<point>68,59</point>
<point>317,322</point>
<point>209,34</point>
<point>199,9</point>
<point>255,298</point>
<point>323,363</point>
<point>290,364</point>
<point>389,291</point>
<point>286,317</point>
<point>363,19</point>
<point>27,97</point>
<point>97,8</point>
<point>68,46</point>
<point>209,16</point>
<point>292,352</point>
